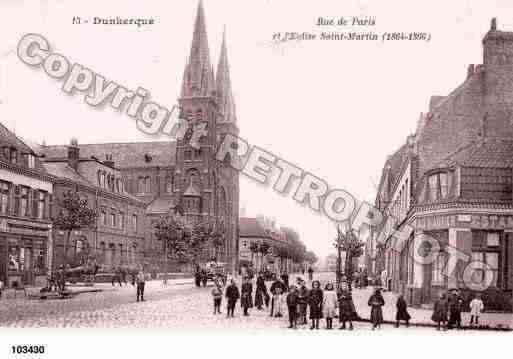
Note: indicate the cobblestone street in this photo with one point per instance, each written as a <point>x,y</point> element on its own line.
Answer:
<point>177,305</point>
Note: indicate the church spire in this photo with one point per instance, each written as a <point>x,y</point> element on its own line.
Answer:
<point>198,80</point>
<point>224,86</point>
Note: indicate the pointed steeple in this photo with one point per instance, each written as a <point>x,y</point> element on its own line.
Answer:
<point>225,99</point>
<point>198,80</point>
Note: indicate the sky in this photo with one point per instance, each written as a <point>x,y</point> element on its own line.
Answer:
<point>336,109</point>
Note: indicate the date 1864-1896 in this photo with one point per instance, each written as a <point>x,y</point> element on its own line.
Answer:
<point>27,349</point>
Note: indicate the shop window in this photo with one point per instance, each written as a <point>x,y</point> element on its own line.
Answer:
<point>4,196</point>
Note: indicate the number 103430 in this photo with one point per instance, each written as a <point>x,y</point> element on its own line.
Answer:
<point>28,349</point>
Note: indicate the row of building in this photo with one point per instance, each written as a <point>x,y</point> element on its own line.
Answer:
<point>452,180</point>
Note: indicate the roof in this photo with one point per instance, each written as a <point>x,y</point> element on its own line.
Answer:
<point>9,139</point>
<point>161,205</point>
<point>251,227</point>
<point>124,155</point>
<point>192,191</point>
<point>64,171</point>
<point>486,153</point>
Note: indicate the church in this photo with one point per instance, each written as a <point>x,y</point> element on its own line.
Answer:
<point>169,174</point>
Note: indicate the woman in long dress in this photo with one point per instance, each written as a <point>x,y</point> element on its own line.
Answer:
<point>376,302</point>
<point>315,298</point>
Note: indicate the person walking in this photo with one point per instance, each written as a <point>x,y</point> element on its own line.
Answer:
<point>476,308</point>
<point>277,289</point>
<point>315,299</point>
<point>346,309</point>
<point>376,302</point>
<point>292,301</point>
<point>197,277</point>
<point>329,304</point>
<point>402,312</point>
<point>261,295</point>
<point>232,296</point>
<point>204,277</point>
<point>302,301</point>
<point>141,281</point>
<point>310,274</point>
<point>440,312</point>
<point>217,295</point>
<point>246,295</point>
<point>455,305</point>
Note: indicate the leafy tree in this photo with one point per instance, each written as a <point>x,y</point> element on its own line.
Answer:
<point>74,215</point>
<point>173,235</point>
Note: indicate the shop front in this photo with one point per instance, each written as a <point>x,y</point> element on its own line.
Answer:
<point>24,254</point>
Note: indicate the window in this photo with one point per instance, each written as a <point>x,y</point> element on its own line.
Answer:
<point>14,156</point>
<point>103,218</point>
<point>169,184</point>
<point>486,249</point>
<point>79,246</point>
<point>39,201</point>
<point>492,239</point>
<point>433,187</point>
<point>188,154</point>
<point>148,184</point>
<point>197,153</point>
<point>439,269</point>
<point>4,196</point>
<point>113,219</point>
<point>134,222</point>
<point>23,201</point>
<point>121,220</point>
<point>31,160</point>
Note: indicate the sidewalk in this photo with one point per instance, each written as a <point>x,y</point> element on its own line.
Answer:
<point>422,317</point>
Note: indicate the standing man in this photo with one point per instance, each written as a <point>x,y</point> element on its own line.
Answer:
<point>310,273</point>
<point>141,281</point>
<point>232,296</point>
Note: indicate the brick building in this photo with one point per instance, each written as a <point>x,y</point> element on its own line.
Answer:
<point>25,227</point>
<point>165,174</point>
<point>118,236</point>
<point>452,180</point>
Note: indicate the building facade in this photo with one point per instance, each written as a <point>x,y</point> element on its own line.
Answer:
<point>452,181</point>
<point>25,226</point>
<point>117,237</point>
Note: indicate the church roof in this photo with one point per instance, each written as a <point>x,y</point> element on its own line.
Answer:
<point>124,155</point>
<point>161,205</point>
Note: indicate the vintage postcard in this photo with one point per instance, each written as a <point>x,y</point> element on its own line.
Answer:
<point>343,168</point>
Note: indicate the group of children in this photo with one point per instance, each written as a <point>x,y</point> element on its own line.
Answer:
<point>327,303</point>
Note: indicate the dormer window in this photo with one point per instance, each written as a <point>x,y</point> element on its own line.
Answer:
<point>31,160</point>
<point>439,186</point>
<point>14,156</point>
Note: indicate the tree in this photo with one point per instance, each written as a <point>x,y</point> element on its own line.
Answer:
<point>311,258</point>
<point>74,215</point>
<point>172,233</point>
<point>347,241</point>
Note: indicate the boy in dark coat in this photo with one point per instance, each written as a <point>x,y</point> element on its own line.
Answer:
<point>346,309</point>
<point>232,296</point>
<point>455,306</point>
<point>440,312</point>
<point>376,302</point>
<point>292,299</point>
<point>315,298</point>
<point>402,311</point>
<point>217,295</point>
<point>261,295</point>
<point>246,297</point>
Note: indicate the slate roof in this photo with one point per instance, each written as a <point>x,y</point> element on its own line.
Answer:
<point>124,155</point>
<point>487,153</point>
<point>161,205</point>
<point>8,138</point>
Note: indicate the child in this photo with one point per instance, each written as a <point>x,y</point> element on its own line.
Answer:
<point>232,295</point>
<point>217,294</point>
<point>440,312</point>
<point>292,302</point>
<point>376,302</point>
<point>347,311</point>
<point>329,304</point>
<point>315,300</point>
<point>476,308</point>
<point>402,312</point>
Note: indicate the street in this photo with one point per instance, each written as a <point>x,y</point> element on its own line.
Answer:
<point>179,305</point>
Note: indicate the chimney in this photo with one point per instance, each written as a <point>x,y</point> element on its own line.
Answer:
<point>108,161</point>
<point>493,24</point>
<point>470,70</point>
<point>73,154</point>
